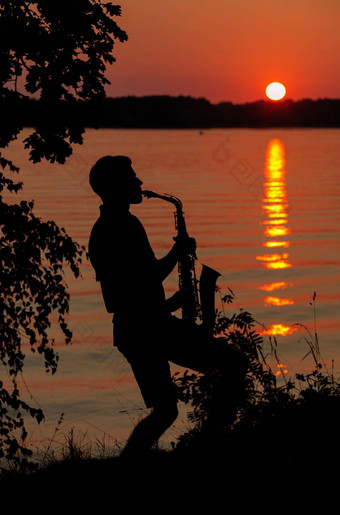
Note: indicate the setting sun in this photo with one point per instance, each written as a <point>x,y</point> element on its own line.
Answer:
<point>275,91</point>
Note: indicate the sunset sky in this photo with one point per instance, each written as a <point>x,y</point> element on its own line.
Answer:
<point>228,50</point>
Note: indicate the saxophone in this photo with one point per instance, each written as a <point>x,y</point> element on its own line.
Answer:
<point>196,304</point>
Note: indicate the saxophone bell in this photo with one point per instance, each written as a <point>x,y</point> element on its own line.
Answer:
<point>208,279</point>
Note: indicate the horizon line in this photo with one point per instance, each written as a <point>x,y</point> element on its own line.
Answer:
<point>181,95</point>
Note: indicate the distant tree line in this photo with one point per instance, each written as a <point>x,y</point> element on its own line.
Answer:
<point>173,112</point>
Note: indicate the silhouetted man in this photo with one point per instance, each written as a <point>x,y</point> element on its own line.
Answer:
<point>145,332</point>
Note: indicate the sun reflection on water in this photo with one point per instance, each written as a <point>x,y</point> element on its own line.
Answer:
<point>276,209</point>
<point>279,329</point>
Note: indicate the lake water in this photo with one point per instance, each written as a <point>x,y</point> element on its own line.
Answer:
<point>264,207</point>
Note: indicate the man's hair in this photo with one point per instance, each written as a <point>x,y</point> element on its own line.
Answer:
<point>108,171</point>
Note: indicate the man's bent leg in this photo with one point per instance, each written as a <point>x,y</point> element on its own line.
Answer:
<point>191,347</point>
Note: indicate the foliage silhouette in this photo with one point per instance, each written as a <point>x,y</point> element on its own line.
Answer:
<point>300,414</point>
<point>61,54</point>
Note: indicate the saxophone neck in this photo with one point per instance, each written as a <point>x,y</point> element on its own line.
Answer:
<point>179,216</point>
<point>168,198</point>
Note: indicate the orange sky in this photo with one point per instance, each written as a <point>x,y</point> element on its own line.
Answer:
<point>228,50</point>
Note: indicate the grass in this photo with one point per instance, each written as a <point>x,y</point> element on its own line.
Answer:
<point>282,450</point>
<point>280,459</point>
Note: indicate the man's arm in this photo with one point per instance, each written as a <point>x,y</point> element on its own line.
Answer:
<point>167,263</point>
<point>180,248</point>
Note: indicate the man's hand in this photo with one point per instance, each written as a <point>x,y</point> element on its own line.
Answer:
<point>185,246</point>
<point>179,250</point>
<point>175,302</point>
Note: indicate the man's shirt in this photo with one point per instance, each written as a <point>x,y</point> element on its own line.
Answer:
<point>125,265</point>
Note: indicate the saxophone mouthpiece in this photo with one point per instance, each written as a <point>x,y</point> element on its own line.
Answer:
<point>148,193</point>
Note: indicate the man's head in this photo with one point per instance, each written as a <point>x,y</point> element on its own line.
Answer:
<point>114,180</point>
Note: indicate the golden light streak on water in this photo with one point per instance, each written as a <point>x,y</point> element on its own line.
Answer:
<point>275,286</point>
<point>279,329</point>
<point>279,265</point>
<point>274,232</point>
<point>271,244</point>
<point>276,301</point>
<point>272,257</point>
<point>277,221</point>
<point>275,260</point>
<point>275,206</point>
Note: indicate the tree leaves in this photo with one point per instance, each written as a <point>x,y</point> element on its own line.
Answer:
<point>60,56</point>
<point>63,50</point>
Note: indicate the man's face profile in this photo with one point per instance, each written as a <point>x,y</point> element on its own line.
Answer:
<point>128,188</point>
<point>133,187</point>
